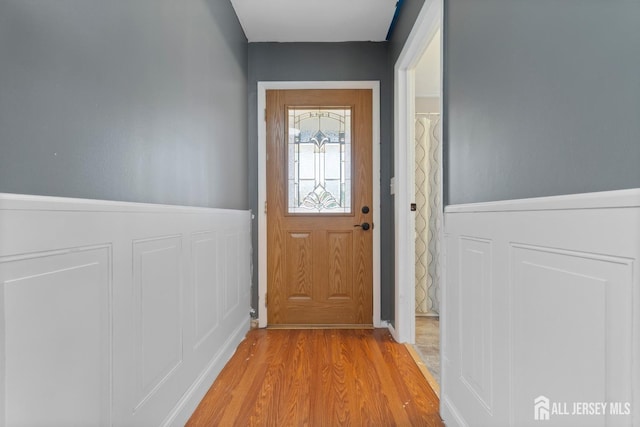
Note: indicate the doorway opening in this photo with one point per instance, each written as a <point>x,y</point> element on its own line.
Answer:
<point>418,190</point>
<point>428,200</point>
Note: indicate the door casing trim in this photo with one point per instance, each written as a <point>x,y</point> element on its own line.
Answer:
<point>374,85</point>
<point>427,23</point>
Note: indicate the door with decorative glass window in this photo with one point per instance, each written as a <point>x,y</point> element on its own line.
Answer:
<point>319,207</point>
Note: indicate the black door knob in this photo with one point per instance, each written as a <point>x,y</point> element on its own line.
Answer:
<point>365,226</point>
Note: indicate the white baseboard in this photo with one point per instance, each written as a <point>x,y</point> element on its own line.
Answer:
<point>115,313</point>
<point>449,413</point>
<point>542,298</point>
<point>387,324</point>
<point>189,402</point>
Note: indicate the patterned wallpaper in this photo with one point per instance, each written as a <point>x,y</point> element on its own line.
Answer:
<point>428,214</point>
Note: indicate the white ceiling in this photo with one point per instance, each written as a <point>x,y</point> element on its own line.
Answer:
<point>428,70</point>
<point>315,20</point>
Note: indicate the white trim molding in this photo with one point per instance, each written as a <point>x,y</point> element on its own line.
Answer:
<point>602,199</point>
<point>262,182</point>
<point>115,313</point>
<point>542,299</point>
<point>427,24</point>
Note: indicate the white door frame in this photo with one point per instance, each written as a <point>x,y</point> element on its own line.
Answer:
<point>262,183</point>
<point>428,22</point>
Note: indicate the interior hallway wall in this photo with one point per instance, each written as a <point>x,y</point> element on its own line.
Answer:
<point>328,62</point>
<point>139,101</point>
<point>541,98</point>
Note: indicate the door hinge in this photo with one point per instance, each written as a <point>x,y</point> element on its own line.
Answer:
<point>266,299</point>
<point>265,207</point>
<point>265,114</point>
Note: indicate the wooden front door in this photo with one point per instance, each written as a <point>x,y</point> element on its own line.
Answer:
<point>319,207</point>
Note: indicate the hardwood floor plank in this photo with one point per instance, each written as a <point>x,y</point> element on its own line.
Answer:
<point>294,404</point>
<point>389,378</point>
<point>220,394</point>
<point>374,407</point>
<point>319,377</point>
<point>265,384</point>
<point>413,388</point>
<point>328,393</point>
<point>337,402</point>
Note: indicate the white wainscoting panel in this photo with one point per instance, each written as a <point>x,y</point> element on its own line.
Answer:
<point>588,319</point>
<point>475,318</point>
<point>116,313</point>
<point>205,299</point>
<point>57,305</point>
<point>542,298</point>
<point>157,319</point>
<point>231,288</point>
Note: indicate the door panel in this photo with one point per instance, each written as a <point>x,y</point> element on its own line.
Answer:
<point>340,264</point>
<point>319,177</point>
<point>299,253</point>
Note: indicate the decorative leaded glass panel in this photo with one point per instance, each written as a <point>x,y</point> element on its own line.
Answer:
<point>319,160</point>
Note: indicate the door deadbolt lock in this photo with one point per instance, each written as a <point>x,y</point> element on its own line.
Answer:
<point>365,209</point>
<point>365,226</point>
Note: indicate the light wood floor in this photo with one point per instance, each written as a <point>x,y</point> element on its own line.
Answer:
<point>319,378</point>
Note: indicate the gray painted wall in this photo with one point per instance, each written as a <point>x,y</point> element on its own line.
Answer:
<point>542,98</point>
<point>328,61</point>
<point>406,18</point>
<point>137,101</point>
